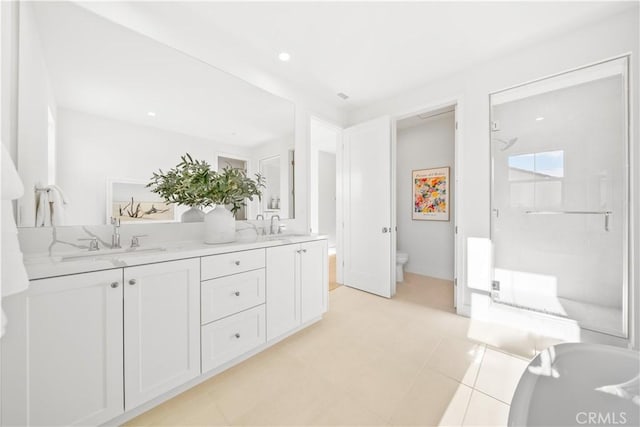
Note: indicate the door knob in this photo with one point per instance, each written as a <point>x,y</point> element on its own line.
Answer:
<point>237,263</point>
<point>115,285</point>
<point>132,282</point>
<point>384,229</point>
<point>237,293</point>
<point>237,335</point>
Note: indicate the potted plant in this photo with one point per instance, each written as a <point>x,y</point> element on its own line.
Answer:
<point>192,182</point>
<point>184,185</point>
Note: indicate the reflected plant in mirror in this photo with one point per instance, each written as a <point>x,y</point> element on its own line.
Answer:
<point>193,183</point>
<point>186,184</point>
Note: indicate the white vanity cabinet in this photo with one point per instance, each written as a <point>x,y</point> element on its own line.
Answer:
<point>89,348</point>
<point>62,353</point>
<point>161,328</point>
<point>297,285</point>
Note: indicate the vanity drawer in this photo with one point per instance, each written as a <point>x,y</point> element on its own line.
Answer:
<point>230,294</point>
<point>228,338</point>
<point>236,262</point>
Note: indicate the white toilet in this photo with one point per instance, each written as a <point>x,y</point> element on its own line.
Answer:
<point>401,260</point>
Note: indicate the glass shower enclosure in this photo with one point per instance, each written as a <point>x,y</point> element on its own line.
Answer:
<point>560,196</point>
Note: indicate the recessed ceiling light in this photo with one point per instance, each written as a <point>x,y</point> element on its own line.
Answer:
<point>539,119</point>
<point>284,57</point>
<point>151,114</point>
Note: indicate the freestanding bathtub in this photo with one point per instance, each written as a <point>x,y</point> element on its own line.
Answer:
<point>579,385</point>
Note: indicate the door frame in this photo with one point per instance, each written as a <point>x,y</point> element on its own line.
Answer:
<point>456,102</point>
<point>339,189</point>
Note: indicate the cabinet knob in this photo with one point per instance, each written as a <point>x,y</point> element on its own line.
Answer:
<point>115,285</point>
<point>133,281</point>
<point>237,335</point>
<point>237,293</point>
<point>237,263</point>
<point>304,251</point>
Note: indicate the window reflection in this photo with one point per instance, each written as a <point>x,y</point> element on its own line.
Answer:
<point>536,179</point>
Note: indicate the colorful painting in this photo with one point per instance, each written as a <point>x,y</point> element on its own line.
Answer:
<point>431,194</point>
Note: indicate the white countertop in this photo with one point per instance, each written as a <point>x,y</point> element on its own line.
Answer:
<point>40,266</point>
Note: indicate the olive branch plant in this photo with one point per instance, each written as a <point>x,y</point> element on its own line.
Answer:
<point>193,183</point>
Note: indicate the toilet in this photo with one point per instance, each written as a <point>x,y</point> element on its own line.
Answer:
<point>401,260</point>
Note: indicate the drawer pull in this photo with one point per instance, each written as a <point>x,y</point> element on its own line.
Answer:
<point>115,285</point>
<point>237,293</point>
<point>237,263</point>
<point>237,335</point>
<point>132,282</point>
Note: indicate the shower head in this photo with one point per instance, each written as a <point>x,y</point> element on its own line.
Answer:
<point>506,143</point>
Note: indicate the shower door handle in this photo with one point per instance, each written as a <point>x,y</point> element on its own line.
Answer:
<point>496,212</point>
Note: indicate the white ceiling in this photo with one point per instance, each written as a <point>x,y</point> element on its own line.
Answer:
<point>374,50</point>
<point>102,68</point>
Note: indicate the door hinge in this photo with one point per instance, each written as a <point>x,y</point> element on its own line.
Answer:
<point>456,230</point>
<point>455,282</point>
<point>456,125</point>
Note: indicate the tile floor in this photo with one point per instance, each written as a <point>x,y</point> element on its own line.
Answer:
<point>370,362</point>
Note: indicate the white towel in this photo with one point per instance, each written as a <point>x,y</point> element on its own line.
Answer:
<point>43,208</point>
<point>14,276</point>
<point>50,206</point>
<point>57,199</point>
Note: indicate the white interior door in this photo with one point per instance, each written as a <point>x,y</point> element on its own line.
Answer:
<point>367,207</point>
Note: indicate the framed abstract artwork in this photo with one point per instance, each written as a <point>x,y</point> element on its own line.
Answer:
<point>430,194</point>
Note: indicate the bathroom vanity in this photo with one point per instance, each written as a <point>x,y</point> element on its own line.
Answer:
<point>101,338</point>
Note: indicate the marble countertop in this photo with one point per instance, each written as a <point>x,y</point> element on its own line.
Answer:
<point>40,266</point>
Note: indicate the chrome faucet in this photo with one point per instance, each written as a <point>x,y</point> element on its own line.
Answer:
<point>135,240</point>
<point>93,243</point>
<point>115,237</point>
<point>262,228</point>
<point>271,228</point>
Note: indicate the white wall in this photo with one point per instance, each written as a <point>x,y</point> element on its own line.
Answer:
<point>9,73</point>
<point>327,195</point>
<point>611,37</point>
<point>92,149</point>
<point>36,97</point>
<point>430,244</point>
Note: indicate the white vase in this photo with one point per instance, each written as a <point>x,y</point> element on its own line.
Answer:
<point>194,214</point>
<point>219,226</point>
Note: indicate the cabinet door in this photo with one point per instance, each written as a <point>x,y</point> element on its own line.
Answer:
<point>283,290</point>
<point>314,278</point>
<point>162,328</point>
<point>62,354</point>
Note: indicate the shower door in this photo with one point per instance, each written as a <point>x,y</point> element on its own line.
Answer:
<point>560,196</point>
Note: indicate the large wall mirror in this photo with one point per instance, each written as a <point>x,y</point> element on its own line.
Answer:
<point>101,107</point>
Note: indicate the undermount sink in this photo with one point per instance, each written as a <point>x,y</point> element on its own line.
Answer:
<point>112,253</point>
